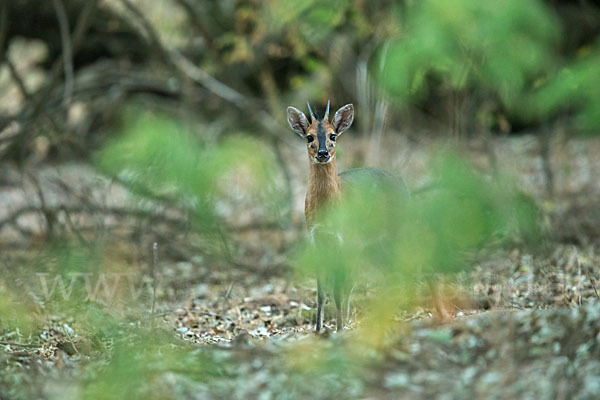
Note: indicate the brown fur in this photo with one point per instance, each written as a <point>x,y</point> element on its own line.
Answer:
<point>324,187</point>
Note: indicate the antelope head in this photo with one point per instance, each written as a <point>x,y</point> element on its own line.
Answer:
<point>320,134</point>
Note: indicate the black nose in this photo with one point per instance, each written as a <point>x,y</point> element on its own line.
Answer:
<point>322,153</point>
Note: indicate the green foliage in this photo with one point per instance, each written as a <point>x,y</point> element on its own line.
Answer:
<point>508,48</point>
<point>313,20</point>
<point>496,46</point>
<point>155,155</point>
<point>572,87</point>
<point>15,314</point>
<point>140,364</point>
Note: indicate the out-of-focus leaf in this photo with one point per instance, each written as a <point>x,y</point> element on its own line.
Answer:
<point>574,87</point>
<point>158,156</point>
<point>496,46</point>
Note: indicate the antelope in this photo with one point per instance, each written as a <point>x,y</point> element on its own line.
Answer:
<point>325,186</point>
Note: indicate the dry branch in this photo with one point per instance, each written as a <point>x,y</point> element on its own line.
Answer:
<point>67,50</point>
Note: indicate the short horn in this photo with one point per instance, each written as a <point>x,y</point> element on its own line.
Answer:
<point>312,116</point>
<point>326,117</point>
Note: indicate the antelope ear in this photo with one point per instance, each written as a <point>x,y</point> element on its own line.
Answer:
<point>297,121</point>
<point>343,118</point>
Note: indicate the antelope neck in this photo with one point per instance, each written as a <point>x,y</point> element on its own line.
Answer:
<point>323,186</point>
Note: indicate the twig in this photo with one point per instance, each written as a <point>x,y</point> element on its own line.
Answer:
<point>82,23</point>
<point>67,49</point>
<point>72,342</point>
<point>17,78</point>
<point>228,292</point>
<point>48,214</point>
<point>545,142</point>
<point>123,212</point>
<point>18,344</point>
<point>593,282</point>
<point>195,19</point>
<point>154,266</point>
<point>73,228</point>
<point>579,281</point>
<point>198,75</point>
<point>154,316</point>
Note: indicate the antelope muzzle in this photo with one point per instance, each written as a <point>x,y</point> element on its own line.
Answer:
<point>323,156</point>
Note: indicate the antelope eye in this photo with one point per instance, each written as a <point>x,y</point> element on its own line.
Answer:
<point>332,138</point>
<point>310,138</point>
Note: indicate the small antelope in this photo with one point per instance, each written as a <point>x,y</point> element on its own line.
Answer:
<point>325,186</point>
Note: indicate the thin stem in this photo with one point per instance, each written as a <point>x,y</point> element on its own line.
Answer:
<point>154,278</point>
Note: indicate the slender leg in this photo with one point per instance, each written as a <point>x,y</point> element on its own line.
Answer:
<point>348,302</point>
<point>337,296</point>
<point>320,303</point>
<point>339,324</point>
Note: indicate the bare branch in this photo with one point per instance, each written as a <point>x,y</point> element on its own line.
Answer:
<point>83,23</point>
<point>200,76</point>
<point>17,78</point>
<point>3,28</point>
<point>184,65</point>
<point>49,215</point>
<point>593,283</point>
<point>195,19</point>
<point>120,212</point>
<point>14,344</point>
<point>195,73</point>
<point>67,50</point>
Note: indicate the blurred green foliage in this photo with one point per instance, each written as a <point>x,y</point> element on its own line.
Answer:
<point>468,43</point>
<point>140,364</point>
<point>509,49</point>
<point>312,20</point>
<point>574,88</point>
<point>159,157</point>
<point>15,315</point>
